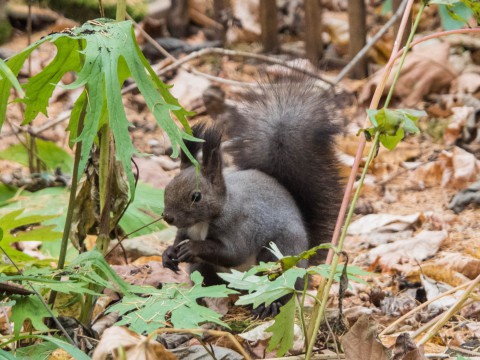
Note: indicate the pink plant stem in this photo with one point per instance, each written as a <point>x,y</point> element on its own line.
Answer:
<point>437,35</point>
<point>361,146</point>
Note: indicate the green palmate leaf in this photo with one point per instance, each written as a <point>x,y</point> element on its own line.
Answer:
<point>28,307</point>
<point>51,155</point>
<point>104,53</point>
<point>14,230</point>
<point>175,302</point>
<point>282,329</point>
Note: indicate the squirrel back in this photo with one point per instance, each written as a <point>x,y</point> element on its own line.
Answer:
<point>286,131</point>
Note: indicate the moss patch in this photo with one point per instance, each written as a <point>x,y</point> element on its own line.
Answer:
<point>83,10</point>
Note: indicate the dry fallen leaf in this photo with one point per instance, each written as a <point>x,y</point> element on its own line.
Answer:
<point>456,169</point>
<point>134,346</point>
<point>418,248</point>
<point>383,223</point>
<point>465,265</point>
<point>426,70</point>
<point>361,342</point>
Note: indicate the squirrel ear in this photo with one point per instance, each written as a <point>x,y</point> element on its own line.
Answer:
<point>212,158</point>
<point>192,146</point>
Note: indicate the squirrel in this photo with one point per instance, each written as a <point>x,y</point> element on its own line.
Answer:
<point>285,188</point>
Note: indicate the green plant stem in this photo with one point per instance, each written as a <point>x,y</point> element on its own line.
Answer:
<point>71,203</point>
<point>121,10</point>
<point>405,52</point>
<point>324,290</point>
<point>336,257</point>
<point>103,164</point>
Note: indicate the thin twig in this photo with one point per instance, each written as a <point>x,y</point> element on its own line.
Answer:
<point>452,311</point>
<point>392,326</point>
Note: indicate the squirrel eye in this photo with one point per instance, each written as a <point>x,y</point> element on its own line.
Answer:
<point>196,196</point>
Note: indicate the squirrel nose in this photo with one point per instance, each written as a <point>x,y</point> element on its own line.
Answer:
<point>168,218</point>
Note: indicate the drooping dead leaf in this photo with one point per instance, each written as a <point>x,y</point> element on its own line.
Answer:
<point>134,346</point>
<point>361,342</point>
<point>405,349</point>
<point>418,248</point>
<point>426,70</point>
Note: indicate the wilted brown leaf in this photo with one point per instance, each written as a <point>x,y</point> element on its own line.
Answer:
<point>361,342</point>
<point>383,223</point>
<point>135,346</point>
<point>426,70</point>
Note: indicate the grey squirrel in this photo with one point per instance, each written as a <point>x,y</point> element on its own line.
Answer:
<point>285,189</point>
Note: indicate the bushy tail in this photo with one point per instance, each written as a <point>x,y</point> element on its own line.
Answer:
<point>287,131</point>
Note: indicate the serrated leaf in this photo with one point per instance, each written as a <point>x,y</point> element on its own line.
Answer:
<point>146,314</point>
<point>28,307</point>
<point>40,87</point>
<point>11,221</point>
<point>104,53</point>
<point>282,329</point>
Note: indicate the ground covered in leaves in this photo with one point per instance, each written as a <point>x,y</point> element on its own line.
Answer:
<point>416,227</point>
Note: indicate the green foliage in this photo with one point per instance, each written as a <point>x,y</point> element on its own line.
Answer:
<point>473,5</point>
<point>104,53</point>
<point>174,303</point>
<point>264,289</point>
<point>31,308</point>
<point>392,125</point>
<point>454,16</point>
<point>9,77</point>
<point>282,329</point>
<point>6,193</point>
<point>49,153</point>
<point>16,228</point>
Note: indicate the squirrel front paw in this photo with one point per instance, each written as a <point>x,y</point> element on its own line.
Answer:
<point>188,251</point>
<point>170,259</point>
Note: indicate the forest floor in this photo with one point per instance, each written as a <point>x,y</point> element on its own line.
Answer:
<point>403,230</point>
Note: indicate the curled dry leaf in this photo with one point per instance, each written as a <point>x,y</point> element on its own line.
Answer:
<point>361,342</point>
<point>468,266</point>
<point>460,117</point>
<point>418,248</point>
<point>426,70</point>
<point>455,169</point>
<point>134,346</point>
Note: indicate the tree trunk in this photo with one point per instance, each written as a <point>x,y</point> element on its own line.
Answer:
<point>313,31</point>
<point>358,35</point>
<point>5,27</point>
<point>177,20</point>
<point>268,21</point>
